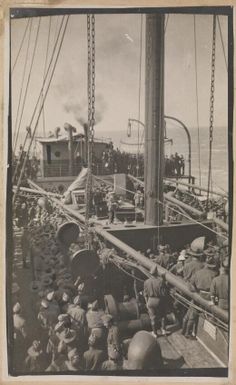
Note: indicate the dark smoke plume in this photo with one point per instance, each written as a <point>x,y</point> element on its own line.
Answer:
<point>79,110</point>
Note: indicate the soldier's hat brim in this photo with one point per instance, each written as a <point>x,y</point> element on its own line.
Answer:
<point>197,254</point>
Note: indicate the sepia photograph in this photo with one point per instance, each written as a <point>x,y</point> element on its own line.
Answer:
<point>119,191</point>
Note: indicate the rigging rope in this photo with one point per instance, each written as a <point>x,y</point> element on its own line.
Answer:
<point>222,42</point>
<point>39,97</point>
<point>16,133</point>
<point>40,110</point>
<point>21,45</point>
<point>28,80</point>
<point>196,84</point>
<point>212,99</point>
<point>139,88</point>
<point>45,67</point>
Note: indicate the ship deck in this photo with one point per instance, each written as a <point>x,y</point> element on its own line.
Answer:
<point>178,352</point>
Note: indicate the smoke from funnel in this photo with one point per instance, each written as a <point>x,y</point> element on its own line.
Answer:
<point>79,110</point>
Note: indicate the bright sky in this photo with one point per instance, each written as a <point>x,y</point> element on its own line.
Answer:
<point>117,72</point>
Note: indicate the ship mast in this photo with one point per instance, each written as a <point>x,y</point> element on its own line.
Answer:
<point>154,119</point>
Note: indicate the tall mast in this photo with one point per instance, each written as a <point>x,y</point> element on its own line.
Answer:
<point>154,119</point>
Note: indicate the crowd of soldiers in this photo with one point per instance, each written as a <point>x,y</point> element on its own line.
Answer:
<point>174,165</point>
<point>106,202</point>
<point>204,269</point>
<point>114,161</point>
<point>72,330</point>
<point>31,167</point>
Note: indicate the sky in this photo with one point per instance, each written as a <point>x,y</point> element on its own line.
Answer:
<point>118,70</point>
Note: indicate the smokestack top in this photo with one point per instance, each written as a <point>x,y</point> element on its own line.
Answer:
<point>68,127</point>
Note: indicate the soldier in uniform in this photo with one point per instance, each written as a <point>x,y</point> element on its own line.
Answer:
<point>77,314</point>
<point>93,357</point>
<point>74,362</point>
<point>18,321</point>
<point>113,335</point>
<point>202,279</point>
<point>201,283</point>
<point>178,268</point>
<point>220,287</point>
<point>196,264</point>
<point>95,324</point>
<point>111,205</point>
<point>189,270</point>
<point>34,359</point>
<point>155,292</point>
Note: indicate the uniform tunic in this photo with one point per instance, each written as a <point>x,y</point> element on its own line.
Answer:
<point>220,288</point>
<point>202,279</point>
<point>164,260</point>
<point>77,314</point>
<point>191,268</point>
<point>94,319</point>
<point>154,291</point>
<point>153,287</point>
<point>93,358</point>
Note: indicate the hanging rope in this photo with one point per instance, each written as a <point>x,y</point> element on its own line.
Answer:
<point>28,80</point>
<point>40,110</point>
<point>222,42</point>
<point>212,99</point>
<point>167,19</point>
<point>197,105</point>
<point>21,45</point>
<point>45,68</point>
<point>91,119</point>
<point>16,132</point>
<point>42,88</point>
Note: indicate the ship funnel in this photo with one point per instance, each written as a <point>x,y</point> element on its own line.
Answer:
<point>68,127</point>
<point>198,244</point>
<point>56,132</point>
